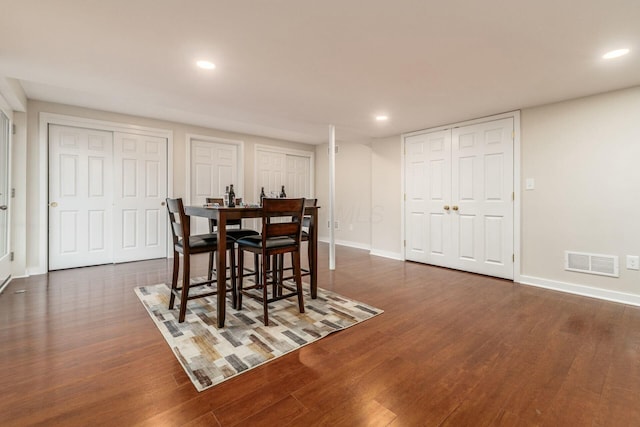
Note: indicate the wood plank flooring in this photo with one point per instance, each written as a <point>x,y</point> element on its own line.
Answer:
<point>451,349</point>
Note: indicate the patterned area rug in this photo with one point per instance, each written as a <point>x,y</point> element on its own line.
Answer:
<point>210,355</point>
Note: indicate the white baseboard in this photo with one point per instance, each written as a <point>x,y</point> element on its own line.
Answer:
<point>387,254</point>
<point>356,245</point>
<point>582,290</point>
<point>348,243</point>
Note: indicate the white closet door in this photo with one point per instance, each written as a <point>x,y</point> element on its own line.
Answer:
<point>271,172</point>
<point>459,206</point>
<point>275,169</point>
<point>428,189</point>
<point>80,197</point>
<point>482,189</point>
<point>140,184</point>
<point>298,183</point>
<point>213,166</point>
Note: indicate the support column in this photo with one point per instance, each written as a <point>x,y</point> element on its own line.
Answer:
<point>332,196</point>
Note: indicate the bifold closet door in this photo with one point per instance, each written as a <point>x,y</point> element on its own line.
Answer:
<point>482,198</point>
<point>214,166</point>
<point>106,197</point>
<point>80,197</point>
<point>428,194</point>
<point>459,198</point>
<point>140,189</point>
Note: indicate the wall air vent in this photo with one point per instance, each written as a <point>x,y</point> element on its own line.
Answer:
<point>604,265</point>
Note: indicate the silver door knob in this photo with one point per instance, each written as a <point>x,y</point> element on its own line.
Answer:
<point>53,204</point>
<point>3,207</point>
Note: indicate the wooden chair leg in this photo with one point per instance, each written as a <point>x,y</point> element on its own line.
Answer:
<point>297,272</point>
<point>256,267</point>
<point>240,278</point>
<point>280,272</point>
<point>211,264</point>
<point>264,291</point>
<point>274,276</point>
<point>184,295</point>
<point>174,278</point>
<point>234,294</point>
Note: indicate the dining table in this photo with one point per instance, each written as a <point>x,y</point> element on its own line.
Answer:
<point>222,213</point>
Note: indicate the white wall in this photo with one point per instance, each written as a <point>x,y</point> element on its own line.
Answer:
<point>35,152</point>
<point>353,193</point>
<point>584,155</point>
<point>386,197</point>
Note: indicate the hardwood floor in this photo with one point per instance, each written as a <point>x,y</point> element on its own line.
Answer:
<point>452,348</point>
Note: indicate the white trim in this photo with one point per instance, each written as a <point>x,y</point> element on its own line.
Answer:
<point>7,266</point>
<point>485,119</point>
<point>576,289</point>
<point>291,151</point>
<point>517,203</point>
<point>387,254</point>
<point>347,243</point>
<point>45,119</point>
<point>515,115</point>
<point>190,137</point>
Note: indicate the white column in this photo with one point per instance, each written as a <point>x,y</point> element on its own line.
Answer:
<point>332,196</point>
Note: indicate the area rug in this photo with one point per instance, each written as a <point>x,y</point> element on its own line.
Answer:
<point>210,355</point>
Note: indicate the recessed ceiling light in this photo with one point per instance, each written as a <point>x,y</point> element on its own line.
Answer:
<point>615,53</point>
<point>206,65</point>
<point>382,118</point>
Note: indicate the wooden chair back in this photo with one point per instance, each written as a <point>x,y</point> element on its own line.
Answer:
<point>213,223</point>
<point>282,218</point>
<point>180,224</point>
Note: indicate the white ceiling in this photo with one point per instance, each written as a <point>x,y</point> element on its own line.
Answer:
<point>289,68</point>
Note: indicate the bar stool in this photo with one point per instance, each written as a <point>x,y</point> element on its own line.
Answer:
<point>186,244</point>
<point>277,238</point>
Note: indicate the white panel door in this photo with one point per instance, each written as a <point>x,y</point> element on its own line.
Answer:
<point>482,191</point>
<point>80,197</point>
<point>459,206</point>
<point>427,184</point>
<point>5,199</point>
<point>271,172</point>
<point>140,190</point>
<point>275,169</point>
<point>214,166</point>
<point>298,182</point>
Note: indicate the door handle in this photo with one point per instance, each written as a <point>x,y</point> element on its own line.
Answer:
<point>53,204</point>
<point>446,207</point>
<point>3,207</point>
<point>162,204</point>
<point>455,208</point>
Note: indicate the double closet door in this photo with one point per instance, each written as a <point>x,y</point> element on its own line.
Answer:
<point>459,198</point>
<point>107,195</point>
<point>275,169</point>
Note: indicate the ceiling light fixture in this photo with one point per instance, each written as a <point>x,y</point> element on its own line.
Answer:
<point>382,118</point>
<point>615,53</point>
<point>206,65</point>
